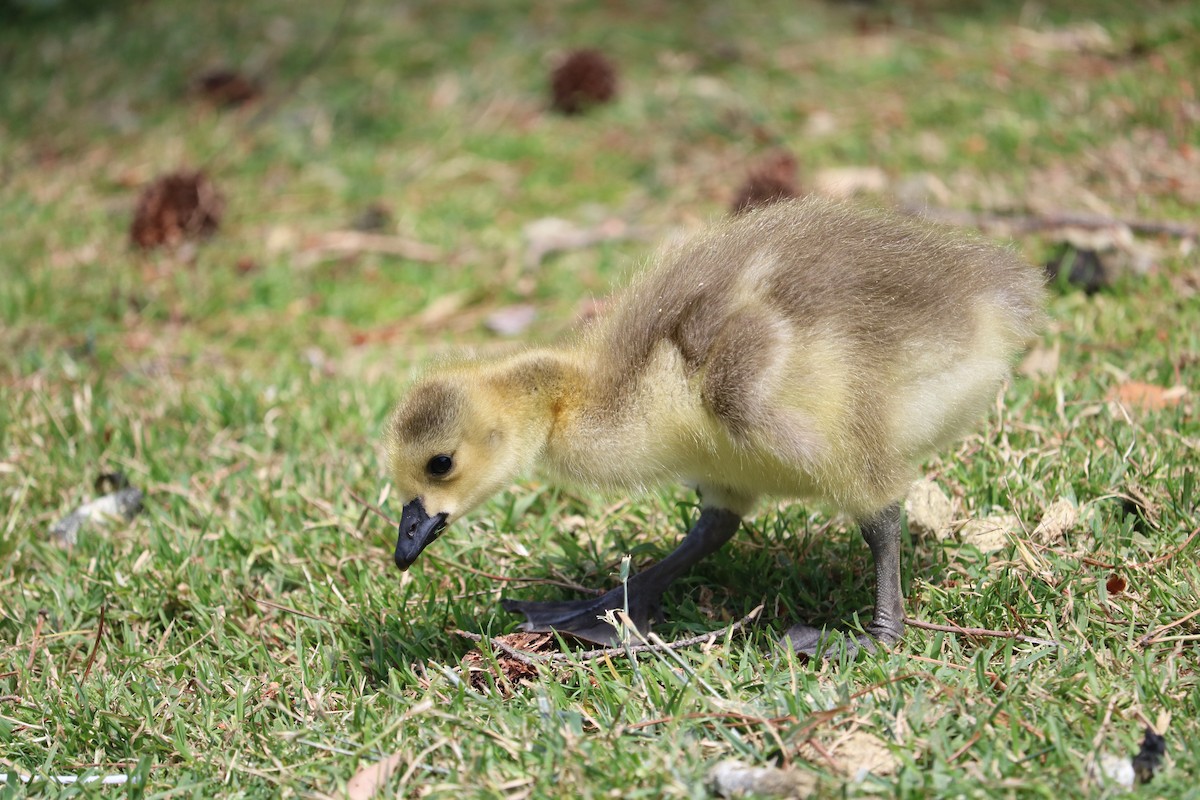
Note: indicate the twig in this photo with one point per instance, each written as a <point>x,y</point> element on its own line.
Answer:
<point>1169,555</point>
<point>1020,637</point>
<point>592,655</point>
<point>958,753</point>
<point>1150,637</point>
<point>87,668</point>
<point>354,242</point>
<point>378,511</point>
<point>1032,223</point>
<point>33,644</point>
<point>286,609</point>
<point>737,717</point>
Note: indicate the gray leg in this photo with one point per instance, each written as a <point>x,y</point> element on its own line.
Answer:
<point>882,534</point>
<point>584,619</point>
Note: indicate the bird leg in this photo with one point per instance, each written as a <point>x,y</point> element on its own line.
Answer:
<point>882,534</point>
<point>585,619</point>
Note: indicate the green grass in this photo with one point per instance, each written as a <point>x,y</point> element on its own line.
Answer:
<point>257,640</point>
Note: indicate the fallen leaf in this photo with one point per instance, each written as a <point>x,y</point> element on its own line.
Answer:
<point>512,671</point>
<point>373,777</point>
<point>1138,396</point>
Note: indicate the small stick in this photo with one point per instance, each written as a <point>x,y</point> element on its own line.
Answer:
<point>592,655</point>
<point>87,668</point>
<point>1031,223</point>
<point>1020,637</point>
<point>355,242</point>
<point>287,609</point>
<point>1169,555</point>
<point>37,632</point>
<point>970,743</point>
<point>1147,639</point>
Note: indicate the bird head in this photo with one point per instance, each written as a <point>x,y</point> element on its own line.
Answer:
<point>455,440</point>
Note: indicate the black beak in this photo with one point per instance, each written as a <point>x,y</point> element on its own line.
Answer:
<point>417,529</point>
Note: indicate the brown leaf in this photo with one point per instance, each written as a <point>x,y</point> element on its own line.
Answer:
<point>1138,396</point>
<point>373,777</point>
<point>512,671</point>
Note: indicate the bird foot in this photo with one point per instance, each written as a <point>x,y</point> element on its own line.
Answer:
<point>585,619</point>
<point>834,644</point>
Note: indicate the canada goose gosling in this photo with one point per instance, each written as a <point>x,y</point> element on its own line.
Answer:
<point>807,350</point>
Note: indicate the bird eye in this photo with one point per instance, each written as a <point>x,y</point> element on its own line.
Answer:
<point>439,465</point>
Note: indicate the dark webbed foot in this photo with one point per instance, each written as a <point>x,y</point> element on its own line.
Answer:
<point>882,534</point>
<point>832,643</point>
<point>585,619</point>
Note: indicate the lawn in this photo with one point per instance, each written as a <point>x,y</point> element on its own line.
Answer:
<point>247,635</point>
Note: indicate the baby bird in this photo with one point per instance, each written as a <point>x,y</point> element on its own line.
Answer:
<point>807,350</point>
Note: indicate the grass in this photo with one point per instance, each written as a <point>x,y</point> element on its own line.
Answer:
<point>256,639</point>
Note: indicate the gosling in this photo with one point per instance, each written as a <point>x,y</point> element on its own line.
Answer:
<point>808,350</point>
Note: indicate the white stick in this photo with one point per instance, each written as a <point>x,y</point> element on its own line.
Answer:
<point>110,780</point>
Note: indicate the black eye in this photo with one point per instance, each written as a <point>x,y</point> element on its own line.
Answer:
<point>439,465</point>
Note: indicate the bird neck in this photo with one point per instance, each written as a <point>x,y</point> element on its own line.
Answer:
<point>536,388</point>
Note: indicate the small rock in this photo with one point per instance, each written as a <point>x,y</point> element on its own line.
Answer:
<point>732,778</point>
<point>1115,769</point>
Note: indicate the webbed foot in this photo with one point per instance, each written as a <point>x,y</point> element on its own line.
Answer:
<point>586,619</point>
<point>833,644</point>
